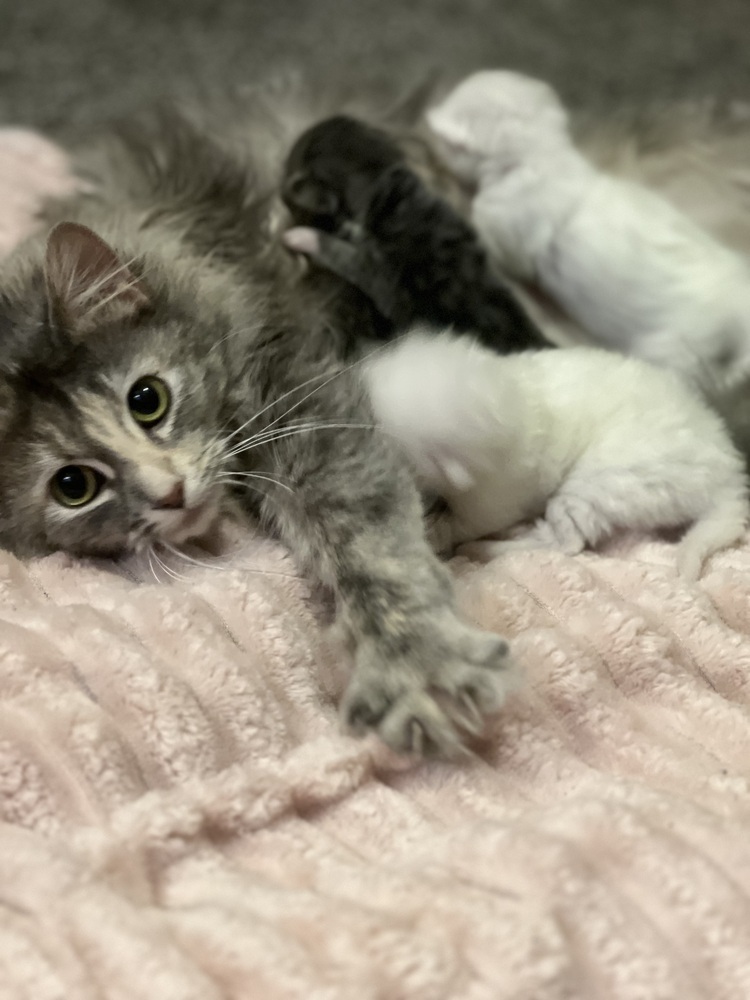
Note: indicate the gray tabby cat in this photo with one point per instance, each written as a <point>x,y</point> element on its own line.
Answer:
<point>160,352</point>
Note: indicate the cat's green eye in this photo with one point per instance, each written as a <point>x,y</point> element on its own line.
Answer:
<point>148,400</point>
<point>75,485</point>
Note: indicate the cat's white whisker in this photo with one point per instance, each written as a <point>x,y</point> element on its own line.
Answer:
<point>167,569</point>
<point>328,379</point>
<point>260,475</point>
<point>228,480</point>
<point>219,564</point>
<point>149,553</point>
<point>278,433</point>
<point>278,399</point>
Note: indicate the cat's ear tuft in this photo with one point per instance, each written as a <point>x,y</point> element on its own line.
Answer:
<point>87,283</point>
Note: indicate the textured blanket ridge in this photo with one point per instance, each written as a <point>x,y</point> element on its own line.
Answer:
<point>181,817</point>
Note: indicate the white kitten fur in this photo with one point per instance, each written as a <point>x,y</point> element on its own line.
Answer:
<point>633,271</point>
<point>584,440</point>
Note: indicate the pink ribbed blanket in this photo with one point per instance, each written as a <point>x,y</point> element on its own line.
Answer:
<point>181,818</point>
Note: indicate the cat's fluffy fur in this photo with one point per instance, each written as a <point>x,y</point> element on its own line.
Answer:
<point>624,263</point>
<point>583,441</point>
<point>170,266</point>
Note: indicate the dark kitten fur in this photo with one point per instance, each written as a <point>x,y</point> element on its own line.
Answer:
<point>169,271</point>
<point>383,230</point>
<point>331,169</point>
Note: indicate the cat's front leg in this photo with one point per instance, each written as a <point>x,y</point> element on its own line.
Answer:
<point>423,677</point>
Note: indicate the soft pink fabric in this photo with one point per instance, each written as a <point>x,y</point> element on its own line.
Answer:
<point>182,818</point>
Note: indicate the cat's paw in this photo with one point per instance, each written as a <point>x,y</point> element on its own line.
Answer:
<point>427,703</point>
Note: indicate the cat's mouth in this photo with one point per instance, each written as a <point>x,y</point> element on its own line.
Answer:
<point>178,526</point>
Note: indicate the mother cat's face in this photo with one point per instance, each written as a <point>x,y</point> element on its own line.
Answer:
<point>112,436</point>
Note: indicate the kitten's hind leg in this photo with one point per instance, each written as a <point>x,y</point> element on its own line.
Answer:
<point>573,520</point>
<point>594,502</point>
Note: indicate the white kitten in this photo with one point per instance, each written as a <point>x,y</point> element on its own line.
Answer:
<point>584,440</point>
<point>625,264</point>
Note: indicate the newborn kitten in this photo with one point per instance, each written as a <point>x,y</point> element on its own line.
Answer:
<point>162,360</point>
<point>631,269</point>
<point>382,230</point>
<point>584,441</point>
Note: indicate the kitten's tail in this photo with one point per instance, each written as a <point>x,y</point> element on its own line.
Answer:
<point>723,525</point>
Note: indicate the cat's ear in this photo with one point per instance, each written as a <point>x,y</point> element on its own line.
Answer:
<point>87,283</point>
<point>455,134</point>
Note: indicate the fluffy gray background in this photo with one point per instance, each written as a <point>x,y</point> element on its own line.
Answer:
<point>71,64</point>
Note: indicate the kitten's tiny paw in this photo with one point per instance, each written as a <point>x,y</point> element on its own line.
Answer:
<point>302,239</point>
<point>429,707</point>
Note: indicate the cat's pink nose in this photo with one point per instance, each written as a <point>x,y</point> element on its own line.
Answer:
<point>174,499</point>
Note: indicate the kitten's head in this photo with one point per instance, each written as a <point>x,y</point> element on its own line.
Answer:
<point>496,117</point>
<point>110,408</point>
<point>331,169</point>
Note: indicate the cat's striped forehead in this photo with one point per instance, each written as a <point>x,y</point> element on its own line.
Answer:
<point>112,432</point>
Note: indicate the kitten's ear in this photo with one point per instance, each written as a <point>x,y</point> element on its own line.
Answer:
<point>301,192</point>
<point>453,133</point>
<point>87,283</point>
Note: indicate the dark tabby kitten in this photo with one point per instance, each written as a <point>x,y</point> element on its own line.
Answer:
<point>160,352</point>
<point>383,230</point>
